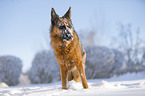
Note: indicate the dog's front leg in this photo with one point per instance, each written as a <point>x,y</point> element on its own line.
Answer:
<point>81,70</point>
<point>64,72</point>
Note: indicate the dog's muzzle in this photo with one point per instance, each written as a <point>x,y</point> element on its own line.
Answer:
<point>66,36</point>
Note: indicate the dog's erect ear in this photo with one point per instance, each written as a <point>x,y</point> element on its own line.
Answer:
<point>54,16</point>
<point>68,14</point>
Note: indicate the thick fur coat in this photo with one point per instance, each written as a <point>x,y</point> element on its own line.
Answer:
<point>68,49</point>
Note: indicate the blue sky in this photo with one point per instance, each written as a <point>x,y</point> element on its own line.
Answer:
<point>24,24</point>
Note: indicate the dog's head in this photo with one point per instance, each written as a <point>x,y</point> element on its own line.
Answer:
<point>62,26</point>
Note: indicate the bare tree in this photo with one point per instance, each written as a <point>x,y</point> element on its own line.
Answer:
<point>97,34</point>
<point>132,45</point>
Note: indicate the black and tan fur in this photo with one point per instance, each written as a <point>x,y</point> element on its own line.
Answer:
<point>68,49</point>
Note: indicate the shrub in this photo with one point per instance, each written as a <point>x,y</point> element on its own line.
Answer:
<point>10,69</point>
<point>102,62</point>
<point>44,68</point>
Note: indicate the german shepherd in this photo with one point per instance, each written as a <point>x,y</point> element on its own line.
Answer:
<point>68,49</point>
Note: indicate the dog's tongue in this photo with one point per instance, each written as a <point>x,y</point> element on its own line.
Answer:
<point>69,40</point>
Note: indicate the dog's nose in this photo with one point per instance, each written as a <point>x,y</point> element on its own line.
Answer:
<point>68,36</point>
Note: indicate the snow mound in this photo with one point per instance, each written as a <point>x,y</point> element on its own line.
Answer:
<point>3,85</point>
<point>75,85</point>
<point>107,85</point>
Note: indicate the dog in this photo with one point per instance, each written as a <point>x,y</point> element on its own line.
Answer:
<point>68,50</point>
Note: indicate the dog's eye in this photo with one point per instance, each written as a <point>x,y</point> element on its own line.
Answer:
<point>62,27</point>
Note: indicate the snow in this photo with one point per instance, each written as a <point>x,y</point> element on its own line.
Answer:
<point>2,84</point>
<point>124,85</point>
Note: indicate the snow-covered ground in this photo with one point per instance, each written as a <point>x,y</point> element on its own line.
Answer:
<point>125,85</point>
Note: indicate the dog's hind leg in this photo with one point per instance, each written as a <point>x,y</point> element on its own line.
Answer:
<point>74,75</point>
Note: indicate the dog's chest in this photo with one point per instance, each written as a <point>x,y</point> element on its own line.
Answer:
<point>68,57</point>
